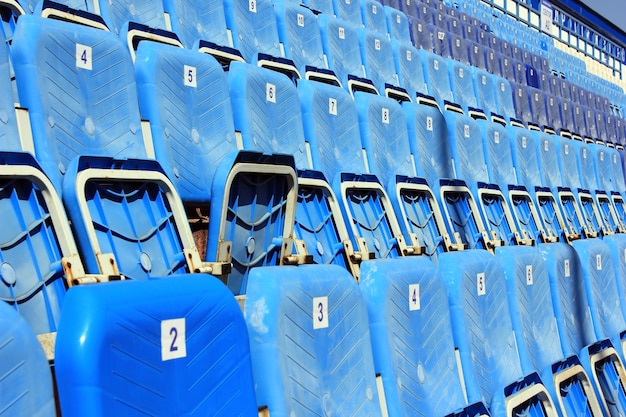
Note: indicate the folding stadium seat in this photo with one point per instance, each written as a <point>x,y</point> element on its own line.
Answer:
<point>610,125</point>
<point>520,73</point>
<point>521,97</point>
<point>463,87</point>
<point>485,92</point>
<point>536,333</point>
<point>472,33</point>
<point>179,347</point>
<point>126,214</point>
<point>378,61</point>
<point>579,120</point>
<point>340,41</point>
<point>553,109</point>
<point>398,25</point>
<point>483,332</point>
<point>255,33</point>
<point>507,66</point>
<point>477,55</point>
<point>310,342</point>
<point>437,77</point>
<point>374,16</point>
<point>441,42</point>
<point>193,21</point>
<point>459,50</point>
<point>408,306</point>
<point>349,11</point>
<point>26,383</point>
<point>455,26</point>
<point>409,68</point>
<point>532,76</point>
<point>422,35</point>
<point>538,110</point>
<point>590,123</point>
<point>493,62</point>
<point>504,96</point>
<point>300,36</point>
<point>118,14</point>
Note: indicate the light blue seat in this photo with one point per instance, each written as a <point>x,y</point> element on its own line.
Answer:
<point>253,28</point>
<point>9,135</point>
<point>477,55</point>
<point>521,101</point>
<point>194,21</point>
<point>483,332</point>
<point>538,109</point>
<point>504,98</point>
<point>537,336</point>
<point>378,61</point>
<point>437,77</point>
<point>398,24</point>
<point>310,342</point>
<point>441,41</point>
<point>411,330</point>
<point>409,69</point>
<point>374,16</point>
<point>146,12</point>
<point>342,48</point>
<point>459,50</point>
<point>485,92</point>
<point>300,35</point>
<point>422,35</point>
<point>161,347</point>
<point>348,11</point>
<point>462,86</point>
<point>26,383</point>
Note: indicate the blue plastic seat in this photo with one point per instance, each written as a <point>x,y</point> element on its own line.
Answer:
<point>348,11</point>
<point>538,109</point>
<point>493,62</point>
<point>300,35</point>
<point>117,14</point>
<point>477,55</point>
<point>253,28</point>
<point>409,68</point>
<point>342,48</point>
<point>193,21</point>
<point>535,325</point>
<point>378,61</point>
<point>504,98</point>
<point>422,35</point>
<point>310,342</point>
<point>485,92</point>
<point>374,16</point>
<point>521,99</point>
<point>483,332</point>
<point>26,383</point>
<point>411,329</point>
<point>398,25</point>
<point>459,49</point>
<point>437,77</point>
<point>441,42</point>
<point>165,347</point>
<point>462,86</point>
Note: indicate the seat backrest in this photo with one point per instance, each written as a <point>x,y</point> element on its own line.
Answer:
<point>300,35</point>
<point>193,21</point>
<point>117,14</point>
<point>485,91</point>
<point>377,55</point>
<point>532,312</point>
<point>348,11</point>
<point>341,46</point>
<point>384,136</point>
<point>373,14</point>
<point>313,318</point>
<point>437,76</point>
<point>26,383</point>
<point>54,60</point>
<point>569,298</point>
<point>163,346</point>
<point>422,36</point>
<point>481,324</point>
<point>586,165</point>
<point>264,112</point>
<point>498,154</point>
<point>466,148</point>
<point>407,305</point>
<point>504,96</point>
<point>427,140</point>
<point>409,68</point>
<point>253,27</point>
<point>190,115</point>
<point>568,162</point>
<point>462,85</point>
<point>398,24</point>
